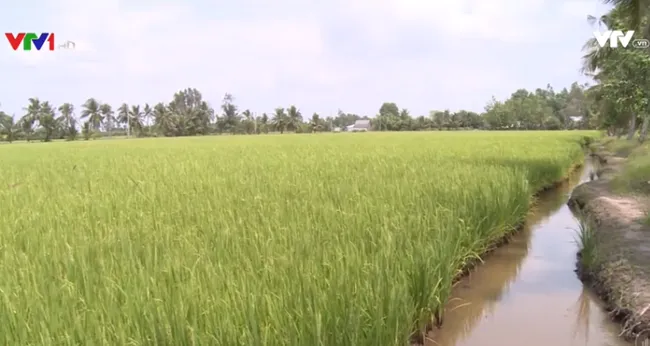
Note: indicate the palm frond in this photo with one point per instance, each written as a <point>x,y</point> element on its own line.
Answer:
<point>631,12</point>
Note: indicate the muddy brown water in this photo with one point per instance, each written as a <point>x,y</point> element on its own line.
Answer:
<point>527,293</point>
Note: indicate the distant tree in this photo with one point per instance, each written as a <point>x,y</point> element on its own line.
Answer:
<point>107,114</point>
<point>67,121</point>
<point>87,130</point>
<point>90,111</point>
<point>619,97</point>
<point>135,120</point>
<point>9,127</point>
<point>230,113</point>
<point>163,120</point>
<point>147,115</point>
<point>28,121</point>
<point>264,120</point>
<point>279,120</point>
<point>293,119</point>
<point>48,121</point>
<point>315,123</point>
<point>123,117</point>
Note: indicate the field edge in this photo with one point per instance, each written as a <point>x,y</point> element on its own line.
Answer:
<point>418,338</point>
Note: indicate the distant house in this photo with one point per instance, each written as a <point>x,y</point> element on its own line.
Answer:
<point>337,129</point>
<point>576,119</point>
<point>360,126</point>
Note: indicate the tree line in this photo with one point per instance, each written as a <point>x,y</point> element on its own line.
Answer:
<point>622,90</point>
<point>188,114</point>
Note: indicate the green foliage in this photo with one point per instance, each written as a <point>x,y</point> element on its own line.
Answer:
<point>87,130</point>
<point>8,127</point>
<point>635,176</point>
<point>541,109</point>
<point>587,241</point>
<point>228,242</point>
<point>188,114</point>
<point>623,74</point>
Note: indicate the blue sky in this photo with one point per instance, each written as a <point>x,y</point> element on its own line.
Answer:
<point>318,55</point>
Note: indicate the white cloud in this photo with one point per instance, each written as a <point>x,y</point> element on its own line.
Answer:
<point>580,9</point>
<point>168,41</point>
<point>510,20</point>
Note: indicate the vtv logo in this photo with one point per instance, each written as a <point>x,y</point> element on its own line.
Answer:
<point>614,37</point>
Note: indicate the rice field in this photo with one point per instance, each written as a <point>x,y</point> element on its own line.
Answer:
<point>328,239</point>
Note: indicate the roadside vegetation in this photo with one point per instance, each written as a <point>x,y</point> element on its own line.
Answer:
<point>265,240</point>
<point>635,176</point>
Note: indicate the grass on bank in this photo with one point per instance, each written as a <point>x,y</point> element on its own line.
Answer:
<point>621,147</point>
<point>587,242</point>
<point>635,175</point>
<point>255,240</point>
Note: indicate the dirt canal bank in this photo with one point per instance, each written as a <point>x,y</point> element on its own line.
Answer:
<point>527,292</point>
<point>616,261</point>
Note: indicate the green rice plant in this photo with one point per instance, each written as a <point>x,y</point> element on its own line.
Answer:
<point>256,240</point>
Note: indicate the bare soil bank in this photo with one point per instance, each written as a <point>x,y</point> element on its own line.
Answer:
<point>621,273</point>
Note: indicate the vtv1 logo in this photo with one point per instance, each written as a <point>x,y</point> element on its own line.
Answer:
<point>28,39</point>
<point>617,36</point>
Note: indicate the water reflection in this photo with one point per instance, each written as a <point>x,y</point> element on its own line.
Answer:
<point>581,326</point>
<point>526,293</point>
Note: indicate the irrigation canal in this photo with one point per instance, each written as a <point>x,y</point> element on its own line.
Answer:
<point>527,293</point>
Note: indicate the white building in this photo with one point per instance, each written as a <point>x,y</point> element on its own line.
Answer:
<point>360,126</point>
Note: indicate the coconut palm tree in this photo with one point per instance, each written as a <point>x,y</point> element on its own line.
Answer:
<point>33,109</point>
<point>595,55</point>
<point>279,120</point>
<point>67,113</point>
<point>294,118</point>
<point>606,65</point>
<point>633,14</point>
<point>123,117</point>
<point>163,119</point>
<point>92,113</point>
<point>147,114</point>
<point>250,123</point>
<point>108,115</point>
<point>48,121</point>
<point>135,119</point>
<point>27,122</point>
<point>69,123</point>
